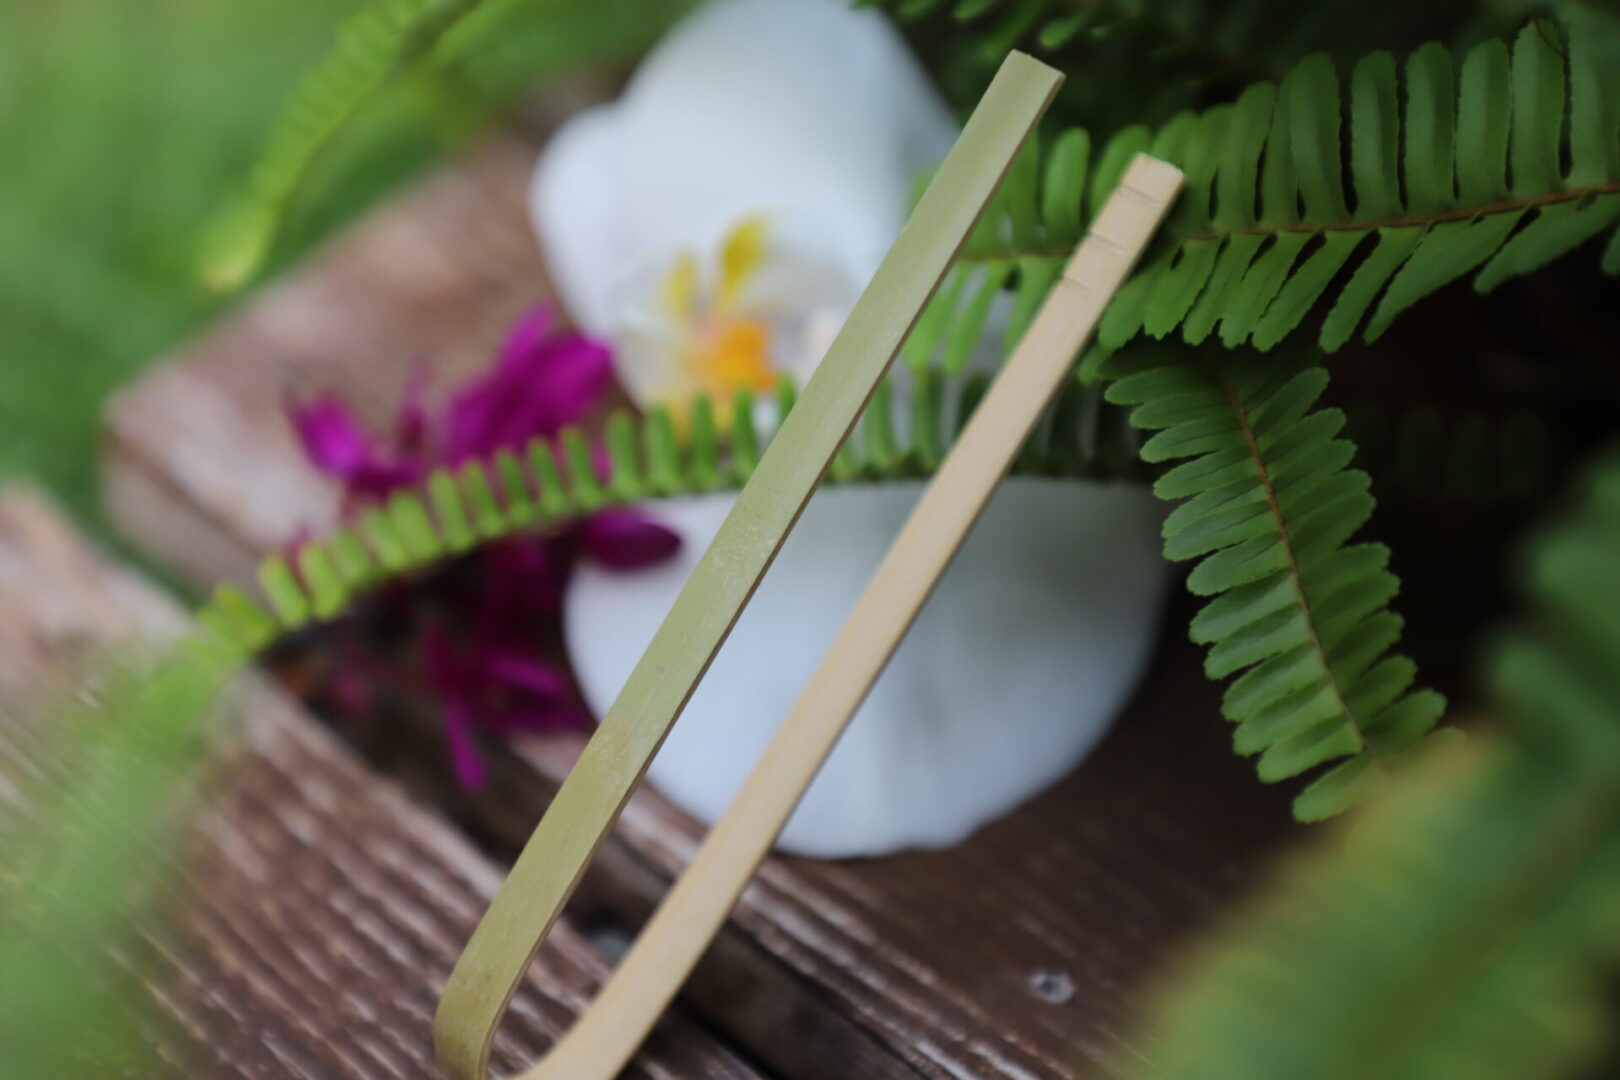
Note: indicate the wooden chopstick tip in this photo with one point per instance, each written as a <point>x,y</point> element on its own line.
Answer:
<point>1152,178</point>
<point>1124,224</point>
<point>1023,69</point>
<point>1018,59</point>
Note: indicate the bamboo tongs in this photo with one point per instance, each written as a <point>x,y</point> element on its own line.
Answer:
<point>607,1035</point>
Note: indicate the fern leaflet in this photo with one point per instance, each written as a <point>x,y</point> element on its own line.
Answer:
<point>1470,921</point>
<point>1299,612</point>
<point>371,45</point>
<point>1469,175</point>
<point>549,485</point>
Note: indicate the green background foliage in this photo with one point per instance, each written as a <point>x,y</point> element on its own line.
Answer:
<point>1347,164</point>
<point>1466,926</point>
<point>124,123</point>
<point>128,124</point>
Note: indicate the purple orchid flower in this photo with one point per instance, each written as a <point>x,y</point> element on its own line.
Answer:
<point>625,540</point>
<point>484,672</point>
<point>337,445</point>
<point>541,382</point>
<point>487,687</point>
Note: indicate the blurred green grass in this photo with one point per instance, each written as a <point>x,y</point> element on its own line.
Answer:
<point>124,125</point>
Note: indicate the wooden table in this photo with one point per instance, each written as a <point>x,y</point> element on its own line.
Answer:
<point>1023,953</point>
<point>320,906</point>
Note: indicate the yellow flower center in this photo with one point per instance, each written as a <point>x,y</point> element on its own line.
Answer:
<point>732,354</point>
<point>722,349</point>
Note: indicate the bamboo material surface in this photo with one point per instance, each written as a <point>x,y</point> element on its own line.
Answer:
<point>551,864</point>
<point>604,1039</point>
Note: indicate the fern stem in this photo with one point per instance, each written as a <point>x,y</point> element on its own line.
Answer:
<point>1295,576</point>
<point>551,484</point>
<point>1495,173</point>
<point>1461,213</point>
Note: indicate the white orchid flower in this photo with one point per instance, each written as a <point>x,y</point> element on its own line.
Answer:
<point>720,218</point>
<point>715,224</point>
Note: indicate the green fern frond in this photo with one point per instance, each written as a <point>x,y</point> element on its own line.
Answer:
<point>371,46</point>
<point>551,484</point>
<point>110,772</point>
<point>1469,174</point>
<point>1468,926</point>
<point>1297,613</point>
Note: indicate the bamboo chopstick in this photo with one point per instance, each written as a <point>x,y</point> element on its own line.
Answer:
<point>606,1036</point>
<point>550,866</point>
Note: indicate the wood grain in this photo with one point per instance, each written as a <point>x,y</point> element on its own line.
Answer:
<point>319,908</point>
<point>429,284</point>
<point>826,969</point>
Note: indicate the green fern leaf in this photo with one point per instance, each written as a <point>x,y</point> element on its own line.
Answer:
<point>112,770</point>
<point>494,50</point>
<point>1538,113</point>
<point>1431,134</point>
<point>1375,136</point>
<point>1134,59</point>
<point>1451,174</point>
<point>1483,119</point>
<point>1065,184</point>
<point>1594,99</point>
<point>1393,249</point>
<point>1468,926</point>
<point>1260,285</point>
<point>1445,253</point>
<point>371,45</point>
<point>1306,283</point>
<point>455,510</point>
<point>1554,231</point>
<point>1296,613</point>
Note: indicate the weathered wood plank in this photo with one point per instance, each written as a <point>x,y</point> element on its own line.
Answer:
<point>322,908</point>
<point>432,281</point>
<point>1022,953</point>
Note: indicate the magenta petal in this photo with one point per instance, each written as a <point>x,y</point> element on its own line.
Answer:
<point>627,540</point>
<point>444,669</point>
<point>464,759</point>
<point>337,445</point>
<point>538,385</point>
<point>526,674</point>
<point>555,716</point>
<point>526,337</point>
<point>378,480</point>
<point>522,577</point>
<point>330,436</point>
<point>578,369</point>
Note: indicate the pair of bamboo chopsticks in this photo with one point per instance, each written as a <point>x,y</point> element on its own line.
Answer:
<point>549,868</point>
